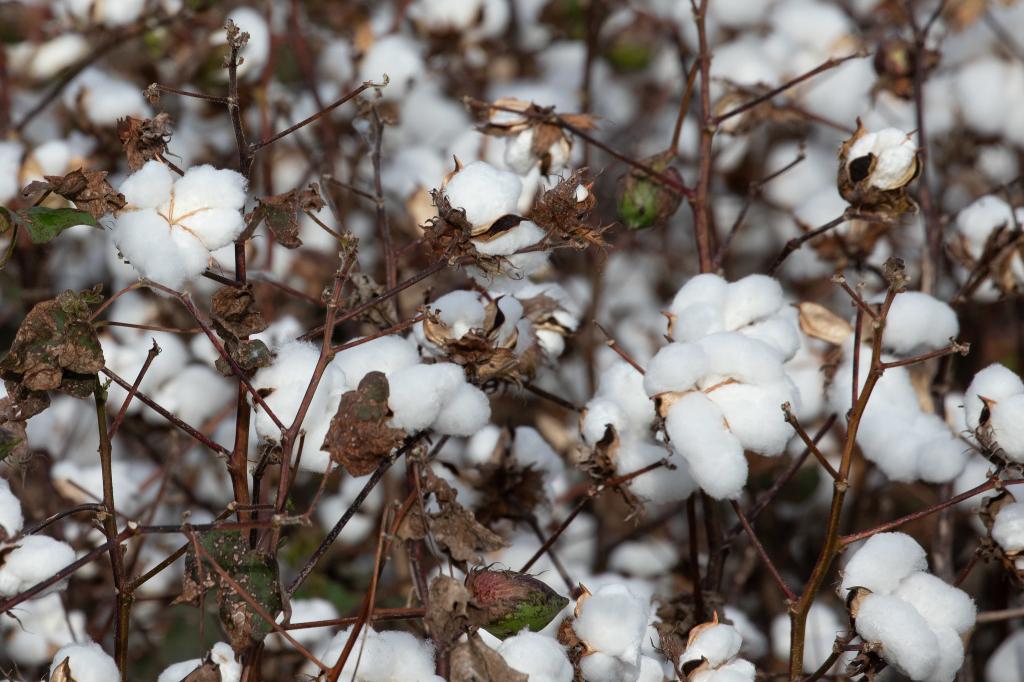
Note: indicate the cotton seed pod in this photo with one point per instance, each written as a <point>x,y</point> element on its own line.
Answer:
<point>507,601</point>
<point>875,167</point>
<point>644,201</point>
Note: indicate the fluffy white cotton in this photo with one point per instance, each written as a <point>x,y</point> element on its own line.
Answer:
<point>882,562</point>
<point>387,354</point>
<point>41,628</point>
<point>195,394</point>
<point>659,486</point>
<point>30,560</point>
<point>396,56</point>
<point>918,323</point>
<point>995,382</point>
<point>539,656</point>
<point>169,227</point>
<point>418,394</point>
<point>910,445</point>
<point>1008,529</point>
<point>308,611</point>
<point>940,603</point>
<point>950,655</point>
<point>387,656</point>
<point>1007,423</point>
<point>823,625</point>
<point>10,165</point>
<point>100,12</point>
<point>522,236</point>
<point>44,61</point>
<point>465,412</point>
<point>10,511</point>
<point>87,661</point>
<point>221,655</point>
<point>697,431</point>
<point>894,152</point>
<point>484,192</point>
<point>600,667</point>
<point>105,98</point>
<point>613,621</point>
<point>675,367</point>
<point>82,481</point>
<point>717,643</point>
<point>446,15</point>
<point>623,386</point>
<point>980,219</point>
<point>736,356</point>
<point>600,414</point>
<point>906,640</point>
<point>176,672</point>
<point>460,311</point>
<point>739,670</point>
<point>1007,662</point>
<point>257,49</point>
<point>754,414</point>
<point>751,298</point>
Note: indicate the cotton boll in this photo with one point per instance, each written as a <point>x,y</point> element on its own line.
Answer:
<point>995,382</point>
<point>600,414</point>
<point>107,13</point>
<point>387,354</point>
<point>484,192</point>
<point>979,87</point>
<point>649,559</point>
<point>520,237</point>
<point>823,625</point>
<point>204,187</point>
<point>396,56</point>
<point>886,439</point>
<point>418,393</point>
<point>697,307</point>
<point>412,658</point>
<point>194,395</point>
<point>676,367</point>
<point>542,658</point>
<point>464,413</point>
<point>732,355</point>
<point>1008,529</point>
<point>10,162</point>
<point>660,486</point>
<point>30,560</point>
<point>105,98</point>
<point>1006,664</point>
<point>613,621</point>
<point>257,49</point>
<point>751,298</point>
<point>176,672</point>
<point>941,604</point>
<point>84,482</point>
<point>733,671</point>
<point>10,511</point>
<point>624,386</point>
<point>882,562</point>
<point>950,655</point>
<point>754,415</point>
<point>600,667</point>
<point>308,611</point>
<point>695,427</point>
<point>779,332</point>
<point>445,15</point>
<point>1007,423</point>
<point>224,657</point>
<point>917,323</point>
<point>718,644</point>
<point>941,458</point>
<point>980,219</point>
<point>43,61</point>
<point>145,240</point>
<point>335,61</point>
<point>907,641</point>
<point>148,187</point>
<point>87,662</point>
<point>42,626</point>
<point>755,644</point>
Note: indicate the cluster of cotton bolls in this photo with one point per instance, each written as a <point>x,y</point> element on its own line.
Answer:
<point>27,559</point>
<point>907,442</point>
<point>994,410</point>
<point>914,619</point>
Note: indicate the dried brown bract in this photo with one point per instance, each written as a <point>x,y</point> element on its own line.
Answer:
<point>88,190</point>
<point>281,213</point>
<point>144,139</point>
<point>359,436</point>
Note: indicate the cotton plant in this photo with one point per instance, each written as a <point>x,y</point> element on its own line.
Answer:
<point>912,619</point>
<point>221,655</point>
<point>712,655</point>
<point>83,662</point>
<point>540,657</point>
<point>993,411</point>
<point>978,227</point>
<point>386,656</point>
<point>1008,532</point>
<point>823,625</point>
<point>611,624</point>
<point>38,628</point>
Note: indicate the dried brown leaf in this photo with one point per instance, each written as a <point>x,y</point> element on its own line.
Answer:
<point>144,139</point>
<point>88,190</point>
<point>448,610</point>
<point>235,312</point>
<point>819,322</point>
<point>281,213</point>
<point>359,436</point>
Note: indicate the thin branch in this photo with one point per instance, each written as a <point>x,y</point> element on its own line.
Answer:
<point>256,146</point>
<point>769,564</point>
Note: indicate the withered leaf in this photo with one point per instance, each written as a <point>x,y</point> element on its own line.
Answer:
<point>819,322</point>
<point>453,526</point>
<point>235,313</point>
<point>448,611</point>
<point>281,213</point>
<point>207,672</point>
<point>88,190</point>
<point>13,437</point>
<point>144,139</point>
<point>359,435</point>
<point>474,661</point>
<point>55,348</point>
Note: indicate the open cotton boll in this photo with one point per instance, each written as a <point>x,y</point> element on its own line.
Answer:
<point>1006,664</point>
<point>675,367</point>
<point>886,439</point>
<point>905,638</point>
<point>1007,423</point>
<point>464,413</point>
<point>460,311</point>
<point>613,620</point>
<point>600,667</point>
<point>882,562</point>
<point>995,382</point>
<point>650,559</point>
<point>387,354</point>
<point>739,670</point>
<point>659,486</point>
<point>308,611</point>
<point>778,331</point>
<point>30,560</point>
<point>750,299</point>
<point>732,355</point>
<point>445,15</point>
<point>176,672</point>
<point>87,662</point>
<point>83,482</point>
<point>1008,529</point>
<point>418,393</point>
<point>624,386</point>
<point>257,49</point>
<point>895,156</point>
<point>522,236</point>
<point>697,431</point>
<point>599,414</point>
<point>11,518</point>
<point>950,655</point>
<point>754,414</point>
<point>541,657</point>
<point>42,61</point>
<point>716,643</point>
<point>918,323</point>
<point>194,395</point>
<point>980,219</point>
<point>148,187</point>
<point>42,627</point>
<point>940,603</point>
<point>396,56</point>
<point>105,98</point>
<point>484,192</point>
<point>413,658</point>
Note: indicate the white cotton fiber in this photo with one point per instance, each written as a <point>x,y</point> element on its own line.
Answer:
<point>522,236</point>
<point>413,658</point>
<point>11,518</point>
<point>750,299</point>
<point>484,192</point>
<point>704,289</point>
<point>779,331</point>
<point>882,562</point>
<point>950,655</point>
<point>204,187</point>
<point>600,667</point>
<point>307,611</point>
<point>659,486</point>
<point>754,414</point>
<point>464,413</point>
<point>460,311</point>
<point>1006,664</point>
<point>418,393</point>
<point>938,602</point>
<point>1008,426</point>
<point>886,439</point>
<point>88,663</point>
<point>717,643</point>
<point>34,558</point>
<point>396,56</point>
<point>1008,529</point>
<point>907,641</point>
<point>918,323</point>
<point>613,621</point>
<point>195,394</point>
<point>624,386</point>
<point>148,187</point>
<point>176,672</point>
<point>823,625</point>
<point>697,321</point>
<point>732,355</point>
<point>980,219</point>
<point>739,670</point>
<point>599,414</point>
<point>676,367</point>
<point>10,164</point>
<point>539,656</point>
<point>942,457</point>
<point>995,382</point>
<point>697,431</point>
<point>386,354</point>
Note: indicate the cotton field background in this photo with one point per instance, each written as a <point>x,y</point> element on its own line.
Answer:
<point>511,340</point>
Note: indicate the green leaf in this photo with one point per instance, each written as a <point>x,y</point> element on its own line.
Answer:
<point>46,223</point>
<point>8,442</point>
